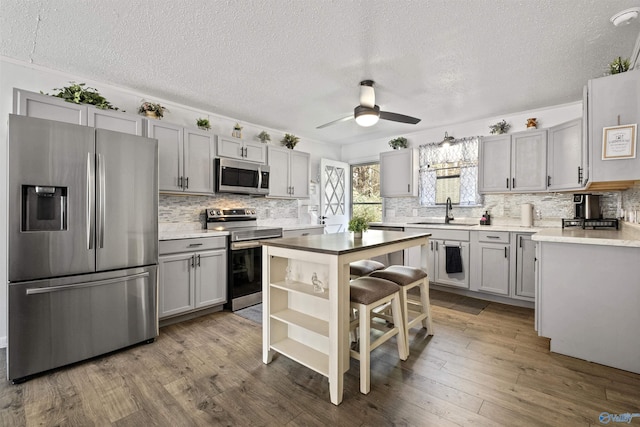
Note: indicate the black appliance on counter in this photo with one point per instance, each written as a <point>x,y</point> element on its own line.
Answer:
<point>587,206</point>
<point>244,260</point>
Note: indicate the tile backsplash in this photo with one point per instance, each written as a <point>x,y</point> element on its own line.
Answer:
<point>190,209</point>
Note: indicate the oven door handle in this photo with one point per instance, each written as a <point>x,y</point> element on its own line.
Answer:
<point>245,245</point>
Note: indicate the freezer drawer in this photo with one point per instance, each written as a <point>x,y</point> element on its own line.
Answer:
<point>56,322</point>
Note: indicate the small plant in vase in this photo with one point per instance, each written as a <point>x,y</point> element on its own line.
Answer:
<point>289,141</point>
<point>203,124</point>
<point>151,109</point>
<point>358,224</point>
<point>500,128</point>
<point>264,137</point>
<point>399,142</point>
<point>237,131</point>
<point>619,65</point>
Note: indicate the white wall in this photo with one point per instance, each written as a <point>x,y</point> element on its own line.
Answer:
<point>36,79</point>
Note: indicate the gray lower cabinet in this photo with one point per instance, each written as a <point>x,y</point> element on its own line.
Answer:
<point>437,257</point>
<point>191,275</point>
<point>491,254</point>
<point>525,268</point>
<point>185,158</point>
<point>48,107</point>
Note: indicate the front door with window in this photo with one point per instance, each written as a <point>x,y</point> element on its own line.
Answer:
<point>334,195</point>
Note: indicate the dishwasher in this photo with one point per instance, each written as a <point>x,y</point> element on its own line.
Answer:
<point>393,258</point>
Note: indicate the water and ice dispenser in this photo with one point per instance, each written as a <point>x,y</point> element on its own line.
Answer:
<point>44,208</point>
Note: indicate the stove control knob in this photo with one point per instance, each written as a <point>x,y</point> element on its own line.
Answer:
<point>253,211</point>
<point>219,212</point>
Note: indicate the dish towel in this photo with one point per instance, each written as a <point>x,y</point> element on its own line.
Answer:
<point>453,260</point>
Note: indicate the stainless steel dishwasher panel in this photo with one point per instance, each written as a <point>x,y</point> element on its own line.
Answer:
<point>393,258</point>
<point>56,322</point>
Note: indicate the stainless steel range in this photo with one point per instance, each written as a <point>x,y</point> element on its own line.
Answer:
<point>244,267</point>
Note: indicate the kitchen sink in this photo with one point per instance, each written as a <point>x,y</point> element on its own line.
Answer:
<point>464,224</point>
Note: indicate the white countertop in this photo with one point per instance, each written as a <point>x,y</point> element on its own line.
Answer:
<point>463,226</point>
<point>628,235</point>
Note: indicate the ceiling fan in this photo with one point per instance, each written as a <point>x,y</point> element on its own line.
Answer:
<point>367,113</point>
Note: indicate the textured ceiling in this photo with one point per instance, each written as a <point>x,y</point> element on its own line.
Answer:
<point>296,64</point>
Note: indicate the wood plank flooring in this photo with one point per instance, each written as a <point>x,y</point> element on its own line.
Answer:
<point>483,369</point>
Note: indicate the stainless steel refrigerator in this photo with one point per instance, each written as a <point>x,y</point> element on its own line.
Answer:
<point>83,243</point>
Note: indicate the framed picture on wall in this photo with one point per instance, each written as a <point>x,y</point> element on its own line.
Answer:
<point>619,142</point>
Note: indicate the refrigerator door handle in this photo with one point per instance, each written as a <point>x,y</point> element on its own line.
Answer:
<point>49,289</point>
<point>102,201</point>
<point>90,202</point>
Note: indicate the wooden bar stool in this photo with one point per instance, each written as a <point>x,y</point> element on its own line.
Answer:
<point>364,268</point>
<point>413,311</point>
<point>366,294</point>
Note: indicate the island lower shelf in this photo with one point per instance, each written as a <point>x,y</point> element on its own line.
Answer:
<point>303,354</point>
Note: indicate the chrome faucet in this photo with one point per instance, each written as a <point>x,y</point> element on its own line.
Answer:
<point>448,216</point>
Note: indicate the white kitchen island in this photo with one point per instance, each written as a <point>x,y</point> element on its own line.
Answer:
<point>588,294</point>
<point>312,327</point>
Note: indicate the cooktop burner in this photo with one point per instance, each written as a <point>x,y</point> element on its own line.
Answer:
<point>592,223</point>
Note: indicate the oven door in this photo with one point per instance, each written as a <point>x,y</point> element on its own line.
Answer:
<point>244,274</point>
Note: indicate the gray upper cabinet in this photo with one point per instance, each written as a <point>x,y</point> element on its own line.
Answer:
<point>239,149</point>
<point>48,107</point>
<point>612,100</point>
<point>115,120</point>
<point>516,162</point>
<point>399,173</point>
<point>186,158</point>
<point>289,173</point>
<point>565,151</point>
<point>53,108</point>
<point>494,175</point>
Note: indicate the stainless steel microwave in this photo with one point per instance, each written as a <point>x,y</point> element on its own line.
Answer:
<point>236,176</point>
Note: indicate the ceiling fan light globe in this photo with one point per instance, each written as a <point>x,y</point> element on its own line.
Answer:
<point>366,116</point>
<point>366,120</point>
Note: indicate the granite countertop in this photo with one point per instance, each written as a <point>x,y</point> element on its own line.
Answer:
<point>180,232</point>
<point>628,235</point>
<point>342,243</point>
<point>463,226</point>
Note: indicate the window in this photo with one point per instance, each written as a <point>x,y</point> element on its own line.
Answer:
<point>450,172</point>
<point>365,191</point>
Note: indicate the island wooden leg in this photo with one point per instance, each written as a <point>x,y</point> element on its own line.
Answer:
<point>338,330</point>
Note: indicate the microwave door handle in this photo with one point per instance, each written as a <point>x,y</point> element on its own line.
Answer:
<point>259,177</point>
<point>90,202</point>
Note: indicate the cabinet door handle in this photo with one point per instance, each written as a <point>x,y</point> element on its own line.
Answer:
<point>431,245</point>
<point>198,260</point>
<point>513,183</point>
<point>180,181</point>
<point>548,180</point>
<point>193,261</point>
<point>193,245</point>
<point>408,188</point>
<point>507,182</point>
<point>493,237</point>
<point>505,251</point>
<point>579,174</point>
<point>520,241</point>
<point>436,246</point>
<point>186,182</point>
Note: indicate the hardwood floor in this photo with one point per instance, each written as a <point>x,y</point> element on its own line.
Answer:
<point>483,369</point>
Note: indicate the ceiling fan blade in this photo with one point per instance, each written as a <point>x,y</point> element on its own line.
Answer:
<point>344,119</point>
<point>399,118</point>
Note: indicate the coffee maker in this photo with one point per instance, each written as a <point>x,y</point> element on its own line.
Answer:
<point>587,206</point>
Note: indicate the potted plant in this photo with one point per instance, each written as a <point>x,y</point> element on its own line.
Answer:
<point>289,141</point>
<point>358,224</point>
<point>237,131</point>
<point>399,142</point>
<point>500,127</point>
<point>264,137</point>
<point>619,65</point>
<point>79,94</point>
<point>203,124</point>
<point>151,109</point>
